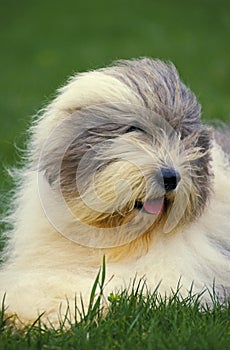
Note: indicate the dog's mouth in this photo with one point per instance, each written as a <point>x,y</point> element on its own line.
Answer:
<point>152,206</point>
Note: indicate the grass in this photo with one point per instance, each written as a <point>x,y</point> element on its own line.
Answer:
<point>42,43</point>
<point>135,319</point>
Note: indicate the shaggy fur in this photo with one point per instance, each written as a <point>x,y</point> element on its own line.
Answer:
<point>96,183</point>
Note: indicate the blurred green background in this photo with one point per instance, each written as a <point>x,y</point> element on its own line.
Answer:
<point>43,42</point>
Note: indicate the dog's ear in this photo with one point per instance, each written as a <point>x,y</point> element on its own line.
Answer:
<point>201,137</point>
<point>201,169</point>
<point>60,158</point>
<point>204,138</point>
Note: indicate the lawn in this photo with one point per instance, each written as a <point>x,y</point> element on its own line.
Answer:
<point>44,42</point>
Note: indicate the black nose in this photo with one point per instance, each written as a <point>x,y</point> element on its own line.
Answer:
<point>171,179</point>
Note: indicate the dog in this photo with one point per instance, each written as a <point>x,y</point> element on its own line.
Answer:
<point>119,165</point>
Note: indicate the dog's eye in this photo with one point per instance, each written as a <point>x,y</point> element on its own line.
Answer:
<point>133,128</point>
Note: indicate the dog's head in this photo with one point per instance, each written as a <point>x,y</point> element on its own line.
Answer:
<point>126,150</point>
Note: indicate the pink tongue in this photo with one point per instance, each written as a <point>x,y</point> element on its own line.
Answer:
<point>154,206</point>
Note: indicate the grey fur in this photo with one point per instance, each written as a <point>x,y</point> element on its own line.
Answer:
<point>160,87</point>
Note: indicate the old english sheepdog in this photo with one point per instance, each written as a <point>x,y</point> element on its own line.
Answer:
<point>119,165</point>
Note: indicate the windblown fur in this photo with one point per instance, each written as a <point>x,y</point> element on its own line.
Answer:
<point>119,164</point>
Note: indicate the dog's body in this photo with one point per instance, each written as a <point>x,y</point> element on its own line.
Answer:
<point>119,165</point>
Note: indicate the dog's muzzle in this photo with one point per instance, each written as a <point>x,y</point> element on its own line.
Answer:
<point>167,178</point>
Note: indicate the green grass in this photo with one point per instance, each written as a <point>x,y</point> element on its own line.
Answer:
<point>134,319</point>
<point>42,43</point>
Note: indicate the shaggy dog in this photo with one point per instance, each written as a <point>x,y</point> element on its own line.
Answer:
<point>119,165</point>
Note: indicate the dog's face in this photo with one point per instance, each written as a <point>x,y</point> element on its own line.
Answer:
<point>138,167</point>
